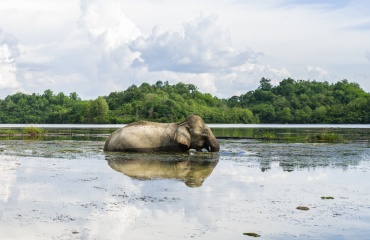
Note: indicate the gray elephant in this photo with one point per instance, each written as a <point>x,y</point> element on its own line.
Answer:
<point>163,137</point>
<point>192,170</point>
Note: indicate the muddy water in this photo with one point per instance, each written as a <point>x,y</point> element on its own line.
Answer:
<point>71,189</point>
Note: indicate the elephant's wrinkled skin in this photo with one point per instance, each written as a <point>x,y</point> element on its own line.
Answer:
<point>163,137</point>
<point>191,171</point>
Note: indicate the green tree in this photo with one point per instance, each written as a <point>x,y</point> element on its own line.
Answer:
<point>285,116</point>
<point>265,84</point>
<point>319,115</point>
<point>99,110</point>
<point>265,113</point>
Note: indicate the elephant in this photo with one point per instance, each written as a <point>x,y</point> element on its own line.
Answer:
<point>145,136</point>
<point>186,168</point>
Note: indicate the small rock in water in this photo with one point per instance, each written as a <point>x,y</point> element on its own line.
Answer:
<point>252,234</point>
<point>303,208</point>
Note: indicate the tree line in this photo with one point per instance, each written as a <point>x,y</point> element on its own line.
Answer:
<point>306,102</point>
<point>291,101</point>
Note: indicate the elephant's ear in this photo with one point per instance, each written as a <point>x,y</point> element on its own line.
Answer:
<point>182,135</point>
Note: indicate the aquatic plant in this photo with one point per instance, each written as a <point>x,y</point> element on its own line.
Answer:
<point>7,132</point>
<point>265,135</point>
<point>269,135</point>
<point>324,198</point>
<point>33,131</point>
<point>325,136</point>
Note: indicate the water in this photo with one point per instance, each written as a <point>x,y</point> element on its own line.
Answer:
<point>92,126</point>
<point>68,188</point>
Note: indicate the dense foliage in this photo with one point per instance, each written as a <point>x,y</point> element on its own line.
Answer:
<point>289,102</point>
<point>159,102</point>
<point>306,102</point>
<point>51,108</point>
<point>170,103</point>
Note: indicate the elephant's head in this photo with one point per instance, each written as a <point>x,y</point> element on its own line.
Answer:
<point>196,135</point>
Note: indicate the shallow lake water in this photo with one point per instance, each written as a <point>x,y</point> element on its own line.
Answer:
<point>68,188</point>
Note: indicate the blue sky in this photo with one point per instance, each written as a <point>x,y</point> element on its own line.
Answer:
<point>224,47</point>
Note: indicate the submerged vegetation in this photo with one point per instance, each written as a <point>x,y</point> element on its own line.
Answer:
<point>326,137</point>
<point>291,101</point>
<point>7,132</point>
<point>28,131</point>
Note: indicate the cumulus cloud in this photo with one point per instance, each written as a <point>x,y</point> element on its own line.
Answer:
<point>92,59</point>
<point>201,55</point>
<point>93,47</point>
<point>107,24</point>
<point>99,56</point>
<point>246,77</point>
<point>8,50</point>
<point>316,72</point>
<point>202,47</point>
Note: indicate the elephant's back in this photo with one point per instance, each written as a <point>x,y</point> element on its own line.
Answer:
<point>149,130</point>
<point>142,136</point>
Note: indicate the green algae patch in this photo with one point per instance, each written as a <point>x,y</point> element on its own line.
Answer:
<point>325,198</point>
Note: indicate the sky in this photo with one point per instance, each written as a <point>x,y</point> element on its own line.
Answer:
<point>224,47</point>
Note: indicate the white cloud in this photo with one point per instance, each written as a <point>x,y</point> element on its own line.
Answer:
<point>7,69</point>
<point>246,77</point>
<point>107,24</point>
<point>100,56</point>
<point>93,59</point>
<point>316,73</point>
<point>8,49</point>
<point>202,47</point>
<point>95,47</point>
<point>206,82</point>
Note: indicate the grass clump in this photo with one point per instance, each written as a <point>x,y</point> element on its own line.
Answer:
<point>325,136</point>
<point>266,135</point>
<point>328,137</point>
<point>33,131</point>
<point>7,132</point>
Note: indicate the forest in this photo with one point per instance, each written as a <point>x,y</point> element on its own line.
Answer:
<point>291,101</point>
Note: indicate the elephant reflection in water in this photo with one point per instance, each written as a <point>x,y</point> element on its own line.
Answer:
<point>191,171</point>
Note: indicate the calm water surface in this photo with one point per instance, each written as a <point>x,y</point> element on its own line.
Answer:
<point>68,188</point>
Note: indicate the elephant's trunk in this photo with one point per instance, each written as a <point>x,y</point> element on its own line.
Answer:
<point>212,142</point>
<point>214,145</point>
